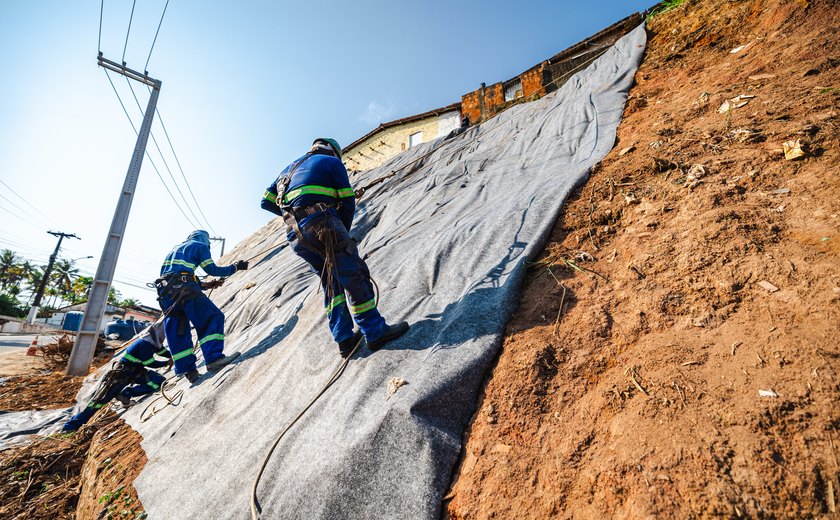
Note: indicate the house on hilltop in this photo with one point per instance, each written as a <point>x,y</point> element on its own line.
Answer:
<point>393,137</point>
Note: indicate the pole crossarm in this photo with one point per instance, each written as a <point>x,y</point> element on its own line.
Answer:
<point>127,72</point>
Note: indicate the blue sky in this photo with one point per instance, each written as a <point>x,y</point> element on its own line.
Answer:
<point>246,87</point>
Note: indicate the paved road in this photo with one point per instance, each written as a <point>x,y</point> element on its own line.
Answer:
<point>13,342</point>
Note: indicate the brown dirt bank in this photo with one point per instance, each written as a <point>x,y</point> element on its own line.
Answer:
<point>639,391</point>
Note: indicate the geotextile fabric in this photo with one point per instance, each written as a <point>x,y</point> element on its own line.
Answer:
<point>448,240</point>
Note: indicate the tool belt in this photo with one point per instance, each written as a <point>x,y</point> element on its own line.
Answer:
<point>177,287</point>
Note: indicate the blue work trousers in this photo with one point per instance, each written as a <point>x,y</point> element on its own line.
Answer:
<point>209,322</point>
<point>144,382</point>
<point>350,276</point>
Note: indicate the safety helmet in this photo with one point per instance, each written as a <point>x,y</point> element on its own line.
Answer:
<point>331,142</point>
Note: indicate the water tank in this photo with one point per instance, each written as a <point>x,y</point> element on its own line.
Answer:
<point>123,329</point>
<point>72,320</point>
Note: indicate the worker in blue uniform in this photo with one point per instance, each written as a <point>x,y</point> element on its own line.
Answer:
<point>181,298</point>
<point>316,201</point>
<point>129,377</point>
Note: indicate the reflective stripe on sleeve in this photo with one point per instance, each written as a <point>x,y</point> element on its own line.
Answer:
<point>95,406</point>
<point>363,307</point>
<point>346,192</point>
<point>153,384</point>
<point>205,263</point>
<point>269,196</point>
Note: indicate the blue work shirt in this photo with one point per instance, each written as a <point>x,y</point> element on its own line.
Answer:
<point>188,256</point>
<point>319,178</point>
<point>144,349</point>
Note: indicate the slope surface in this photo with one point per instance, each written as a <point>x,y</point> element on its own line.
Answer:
<point>447,240</point>
<point>647,395</point>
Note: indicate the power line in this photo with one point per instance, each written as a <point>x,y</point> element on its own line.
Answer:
<point>147,153</point>
<point>99,43</point>
<point>146,66</point>
<point>18,195</point>
<point>12,213</point>
<point>154,141</point>
<point>129,30</point>
<point>24,211</point>
<point>184,175</point>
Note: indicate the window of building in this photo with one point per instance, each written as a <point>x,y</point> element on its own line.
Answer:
<point>512,89</point>
<point>415,139</point>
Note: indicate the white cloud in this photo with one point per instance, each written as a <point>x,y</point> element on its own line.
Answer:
<point>376,113</point>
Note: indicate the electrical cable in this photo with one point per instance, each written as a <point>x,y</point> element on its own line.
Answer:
<point>184,175</point>
<point>12,213</point>
<point>18,195</point>
<point>24,211</point>
<point>129,30</point>
<point>146,66</point>
<point>154,141</point>
<point>99,43</point>
<point>147,153</point>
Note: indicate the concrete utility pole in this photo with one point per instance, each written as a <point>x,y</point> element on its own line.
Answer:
<point>83,349</point>
<point>33,311</point>
<point>222,240</point>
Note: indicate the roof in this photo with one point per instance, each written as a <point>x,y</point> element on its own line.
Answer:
<point>397,122</point>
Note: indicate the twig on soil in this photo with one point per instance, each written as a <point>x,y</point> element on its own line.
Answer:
<point>559,311</point>
<point>632,373</point>
<point>679,392</point>
<point>589,227</point>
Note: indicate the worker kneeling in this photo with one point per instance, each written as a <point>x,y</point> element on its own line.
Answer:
<point>129,377</point>
<point>181,297</point>
<point>316,201</point>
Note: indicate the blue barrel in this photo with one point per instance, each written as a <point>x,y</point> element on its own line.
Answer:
<point>72,321</point>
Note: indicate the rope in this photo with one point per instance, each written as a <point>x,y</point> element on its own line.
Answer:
<point>255,503</point>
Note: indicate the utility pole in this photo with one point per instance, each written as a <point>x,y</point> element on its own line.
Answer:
<point>83,349</point>
<point>222,240</point>
<point>33,311</point>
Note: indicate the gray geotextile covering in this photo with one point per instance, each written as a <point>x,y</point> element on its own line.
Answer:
<point>447,240</point>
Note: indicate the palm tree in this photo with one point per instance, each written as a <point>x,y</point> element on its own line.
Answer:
<point>62,278</point>
<point>8,260</point>
<point>81,288</point>
<point>129,302</point>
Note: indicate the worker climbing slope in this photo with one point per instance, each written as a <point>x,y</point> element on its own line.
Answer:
<point>129,377</point>
<point>316,201</point>
<point>181,297</point>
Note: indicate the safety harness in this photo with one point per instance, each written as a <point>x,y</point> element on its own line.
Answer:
<point>325,233</point>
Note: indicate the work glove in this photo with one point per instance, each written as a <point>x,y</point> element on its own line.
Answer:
<point>213,283</point>
<point>241,265</point>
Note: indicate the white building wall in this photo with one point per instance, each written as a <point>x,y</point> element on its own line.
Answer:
<point>448,122</point>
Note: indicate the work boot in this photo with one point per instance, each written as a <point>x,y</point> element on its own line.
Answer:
<point>393,332</point>
<point>123,400</point>
<point>346,347</point>
<point>221,362</point>
<point>192,376</point>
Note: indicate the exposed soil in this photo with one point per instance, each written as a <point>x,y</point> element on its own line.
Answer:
<point>696,374</point>
<point>84,475</point>
<point>87,474</point>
